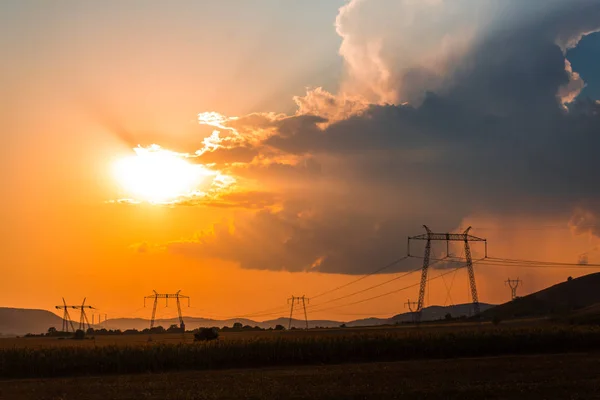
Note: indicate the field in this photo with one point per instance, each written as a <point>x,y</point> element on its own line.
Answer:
<point>566,376</point>
<point>177,338</point>
<point>521,360</point>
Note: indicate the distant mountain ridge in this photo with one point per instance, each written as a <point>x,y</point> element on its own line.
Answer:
<point>17,322</point>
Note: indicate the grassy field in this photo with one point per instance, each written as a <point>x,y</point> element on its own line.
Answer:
<point>566,376</point>
<point>176,338</point>
<point>47,357</point>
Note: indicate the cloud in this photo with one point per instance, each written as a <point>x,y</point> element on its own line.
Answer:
<point>569,92</point>
<point>331,107</point>
<point>459,121</point>
<point>397,50</point>
<point>247,200</point>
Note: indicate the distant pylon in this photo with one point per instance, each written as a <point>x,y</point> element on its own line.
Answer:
<point>83,319</point>
<point>513,284</point>
<point>412,306</point>
<point>66,317</point>
<point>298,300</point>
<point>177,296</point>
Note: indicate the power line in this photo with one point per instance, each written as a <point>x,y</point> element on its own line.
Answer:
<point>553,263</point>
<point>520,263</point>
<point>362,277</point>
<point>369,288</point>
<point>539,228</point>
<point>279,310</point>
<point>543,266</point>
<point>388,293</point>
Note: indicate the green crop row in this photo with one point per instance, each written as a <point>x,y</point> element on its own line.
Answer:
<point>293,350</point>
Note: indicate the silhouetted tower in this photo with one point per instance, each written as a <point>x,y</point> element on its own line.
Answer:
<point>412,306</point>
<point>448,237</point>
<point>513,284</point>
<point>298,300</point>
<point>83,319</point>
<point>177,296</point>
<point>66,317</point>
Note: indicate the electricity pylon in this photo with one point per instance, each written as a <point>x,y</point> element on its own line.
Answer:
<point>448,237</point>
<point>83,319</point>
<point>513,284</point>
<point>298,300</point>
<point>66,317</point>
<point>411,306</point>
<point>167,296</point>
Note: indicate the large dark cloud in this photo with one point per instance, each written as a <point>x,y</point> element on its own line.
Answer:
<point>494,138</point>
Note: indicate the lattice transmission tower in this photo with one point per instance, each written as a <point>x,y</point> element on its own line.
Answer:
<point>412,306</point>
<point>448,237</point>
<point>513,284</point>
<point>66,322</point>
<point>298,300</point>
<point>177,296</point>
<point>83,319</point>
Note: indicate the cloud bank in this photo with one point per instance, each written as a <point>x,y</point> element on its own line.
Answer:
<point>449,108</point>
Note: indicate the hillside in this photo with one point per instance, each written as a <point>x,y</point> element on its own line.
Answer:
<point>19,321</point>
<point>558,300</point>
<point>14,321</point>
<point>431,313</point>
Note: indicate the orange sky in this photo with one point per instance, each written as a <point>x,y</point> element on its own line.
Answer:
<point>73,94</point>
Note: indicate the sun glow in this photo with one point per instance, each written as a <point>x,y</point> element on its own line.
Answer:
<point>157,175</point>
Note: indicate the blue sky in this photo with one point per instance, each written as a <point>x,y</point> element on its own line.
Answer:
<point>585,59</point>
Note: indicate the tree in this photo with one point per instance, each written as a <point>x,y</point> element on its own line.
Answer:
<point>206,334</point>
<point>569,279</point>
<point>448,317</point>
<point>279,327</point>
<point>79,334</point>
<point>52,331</point>
<point>238,325</point>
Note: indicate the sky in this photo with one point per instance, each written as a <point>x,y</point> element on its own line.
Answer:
<point>244,152</point>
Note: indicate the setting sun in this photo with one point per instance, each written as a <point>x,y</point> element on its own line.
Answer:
<point>157,175</point>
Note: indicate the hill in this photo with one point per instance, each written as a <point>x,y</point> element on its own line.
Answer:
<point>14,321</point>
<point>569,297</point>
<point>19,321</point>
<point>432,313</point>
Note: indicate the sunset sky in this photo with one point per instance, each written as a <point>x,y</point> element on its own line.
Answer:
<point>247,151</point>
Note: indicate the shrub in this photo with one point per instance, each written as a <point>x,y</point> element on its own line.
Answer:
<point>79,334</point>
<point>206,334</point>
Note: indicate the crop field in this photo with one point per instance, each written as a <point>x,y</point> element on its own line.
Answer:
<point>48,357</point>
<point>526,359</point>
<point>177,338</point>
<point>537,377</point>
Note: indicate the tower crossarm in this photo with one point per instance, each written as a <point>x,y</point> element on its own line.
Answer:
<point>449,237</point>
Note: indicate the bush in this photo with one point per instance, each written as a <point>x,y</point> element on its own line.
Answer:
<point>206,334</point>
<point>79,334</point>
